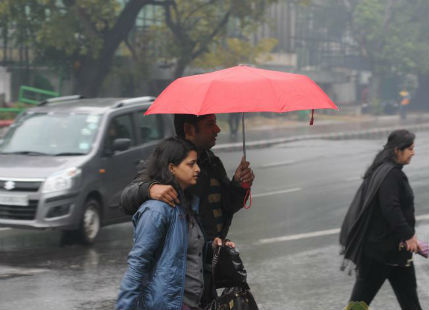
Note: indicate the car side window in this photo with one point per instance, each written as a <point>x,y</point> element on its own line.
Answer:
<point>150,127</point>
<point>118,128</point>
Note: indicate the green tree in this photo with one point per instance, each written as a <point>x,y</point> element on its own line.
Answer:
<point>93,31</point>
<point>236,51</point>
<point>198,33</point>
<point>393,36</point>
<point>81,34</point>
<point>414,42</point>
<point>19,22</point>
<point>198,27</point>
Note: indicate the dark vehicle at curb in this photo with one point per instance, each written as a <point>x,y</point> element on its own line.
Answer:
<point>64,163</point>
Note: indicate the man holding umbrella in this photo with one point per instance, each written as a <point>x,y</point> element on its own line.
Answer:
<point>219,197</point>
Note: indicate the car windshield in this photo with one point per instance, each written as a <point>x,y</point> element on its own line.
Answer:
<point>55,134</point>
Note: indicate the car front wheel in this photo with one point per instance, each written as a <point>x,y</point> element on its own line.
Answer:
<point>89,226</point>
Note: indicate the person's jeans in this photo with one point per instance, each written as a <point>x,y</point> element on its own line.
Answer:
<point>372,275</point>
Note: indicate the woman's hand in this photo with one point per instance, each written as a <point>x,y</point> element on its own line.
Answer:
<point>413,244</point>
<point>218,242</point>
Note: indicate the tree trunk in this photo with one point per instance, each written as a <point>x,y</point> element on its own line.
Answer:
<point>90,77</point>
<point>188,51</point>
<point>92,72</point>
<point>5,35</point>
<point>180,67</point>
<point>374,87</point>
<point>421,99</point>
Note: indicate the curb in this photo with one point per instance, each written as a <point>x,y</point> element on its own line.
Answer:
<point>362,134</point>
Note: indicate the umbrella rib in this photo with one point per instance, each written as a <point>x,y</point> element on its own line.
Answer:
<point>269,82</point>
<point>205,96</point>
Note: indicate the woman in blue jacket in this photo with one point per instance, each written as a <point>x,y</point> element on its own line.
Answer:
<point>165,269</point>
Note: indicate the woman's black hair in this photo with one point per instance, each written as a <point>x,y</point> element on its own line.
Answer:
<point>399,139</point>
<point>169,151</point>
<point>156,168</point>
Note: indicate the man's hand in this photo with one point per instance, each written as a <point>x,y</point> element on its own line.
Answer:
<point>165,193</point>
<point>244,174</point>
<point>413,244</point>
<point>218,242</point>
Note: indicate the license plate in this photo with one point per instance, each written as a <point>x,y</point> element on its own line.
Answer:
<point>14,200</point>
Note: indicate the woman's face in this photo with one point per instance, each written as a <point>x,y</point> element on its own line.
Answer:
<point>404,156</point>
<point>186,173</point>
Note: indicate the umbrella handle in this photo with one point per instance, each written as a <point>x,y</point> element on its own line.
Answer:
<point>248,195</point>
<point>245,185</point>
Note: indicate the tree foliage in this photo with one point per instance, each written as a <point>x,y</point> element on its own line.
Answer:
<point>19,22</point>
<point>77,27</point>
<point>199,27</point>
<point>83,36</point>
<point>392,33</point>
<point>236,51</point>
<point>79,34</point>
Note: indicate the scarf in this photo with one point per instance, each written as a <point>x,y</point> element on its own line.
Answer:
<point>356,222</point>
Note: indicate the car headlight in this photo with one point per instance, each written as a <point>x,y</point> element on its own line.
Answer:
<point>62,180</point>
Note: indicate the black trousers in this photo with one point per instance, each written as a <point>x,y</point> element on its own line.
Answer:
<point>371,276</point>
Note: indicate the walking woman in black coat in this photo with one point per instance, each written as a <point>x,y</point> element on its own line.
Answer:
<point>378,233</point>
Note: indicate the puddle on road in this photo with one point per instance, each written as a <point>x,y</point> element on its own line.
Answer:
<point>9,273</point>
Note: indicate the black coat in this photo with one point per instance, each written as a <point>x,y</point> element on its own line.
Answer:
<point>380,216</point>
<point>392,220</point>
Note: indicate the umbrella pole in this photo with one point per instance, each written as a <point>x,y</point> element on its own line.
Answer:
<point>244,185</point>
<point>244,135</point>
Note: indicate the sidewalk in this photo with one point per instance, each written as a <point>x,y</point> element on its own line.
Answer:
<point>260,134</point>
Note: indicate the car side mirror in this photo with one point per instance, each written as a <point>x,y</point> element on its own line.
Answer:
<point>121,144</point>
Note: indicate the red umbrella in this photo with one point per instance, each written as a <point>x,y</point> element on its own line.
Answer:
<point>241,89</point>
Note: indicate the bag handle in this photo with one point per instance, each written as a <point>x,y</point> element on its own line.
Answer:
<point>215,259</point>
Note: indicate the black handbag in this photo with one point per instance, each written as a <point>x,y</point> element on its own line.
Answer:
<point>228,272</point>
<point>228,268</point>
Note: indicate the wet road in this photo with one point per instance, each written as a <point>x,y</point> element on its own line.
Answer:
<point>288,239</point>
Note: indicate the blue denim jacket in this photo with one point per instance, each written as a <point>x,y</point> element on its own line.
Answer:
<point>155,278</point>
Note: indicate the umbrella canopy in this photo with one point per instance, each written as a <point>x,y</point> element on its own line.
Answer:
<point>241,89</point>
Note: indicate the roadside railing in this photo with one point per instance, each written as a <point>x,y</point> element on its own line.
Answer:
<point>27,95</point>
<point>32,95</point>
